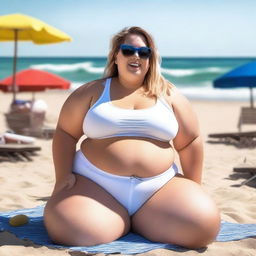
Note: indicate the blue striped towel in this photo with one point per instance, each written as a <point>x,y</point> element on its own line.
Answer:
<point>129,244</point>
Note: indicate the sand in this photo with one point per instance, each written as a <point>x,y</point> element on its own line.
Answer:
<point>29,184</point>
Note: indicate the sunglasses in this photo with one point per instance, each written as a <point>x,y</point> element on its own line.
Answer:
<point>129,50</point>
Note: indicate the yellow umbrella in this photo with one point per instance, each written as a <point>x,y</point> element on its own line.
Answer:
<point>19,27</point>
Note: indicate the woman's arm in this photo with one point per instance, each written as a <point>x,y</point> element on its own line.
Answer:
<point>191,159</point>
<point>188,141</point>
<point>68,132</point>
<point>63,148</point>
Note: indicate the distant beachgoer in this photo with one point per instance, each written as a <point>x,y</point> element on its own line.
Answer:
<point>123,178</point>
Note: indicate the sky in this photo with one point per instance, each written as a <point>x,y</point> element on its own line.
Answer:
<point>180,28</point>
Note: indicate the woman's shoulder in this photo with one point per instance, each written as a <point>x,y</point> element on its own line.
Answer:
<point>79,101</point>
<point>88,90</point>
<point>174,96</point>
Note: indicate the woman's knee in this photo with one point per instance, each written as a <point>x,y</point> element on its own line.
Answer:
<point>204,229</point>
<point>81,223</point>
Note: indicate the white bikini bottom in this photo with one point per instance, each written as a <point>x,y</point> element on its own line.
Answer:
<point>131,191</point>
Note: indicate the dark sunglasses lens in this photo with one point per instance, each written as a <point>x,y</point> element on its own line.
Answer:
<point>127,50</point>
<point>144,52</point>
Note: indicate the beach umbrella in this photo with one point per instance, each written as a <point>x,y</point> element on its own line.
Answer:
<point>19,27</point>
<point>241,77</point>
<point>33,80</point>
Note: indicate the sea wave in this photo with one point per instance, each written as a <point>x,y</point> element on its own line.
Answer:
<point>205,92</point>
<point>89,68</point>
<point>75,85</point>
<point>84,66</point>
<point>192,72</point>
<point>210,93</point>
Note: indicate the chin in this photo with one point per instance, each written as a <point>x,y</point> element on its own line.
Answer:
<point>137,73</point>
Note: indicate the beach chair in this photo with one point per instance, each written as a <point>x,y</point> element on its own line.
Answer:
<point>247,116</point>
<point>27,123</point>
<point>26,118</point>
<point>17,152</point>
<point>250,169</point>
<point>9,137</point>
<point>242,139</point>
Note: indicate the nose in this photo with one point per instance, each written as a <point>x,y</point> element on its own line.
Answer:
<point>136,54</point>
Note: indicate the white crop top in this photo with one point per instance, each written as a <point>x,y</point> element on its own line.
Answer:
<point>104,120</point>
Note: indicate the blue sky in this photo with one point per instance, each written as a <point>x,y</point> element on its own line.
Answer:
<point>193,28</point>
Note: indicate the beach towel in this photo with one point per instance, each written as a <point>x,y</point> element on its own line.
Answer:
<point>129,244</point>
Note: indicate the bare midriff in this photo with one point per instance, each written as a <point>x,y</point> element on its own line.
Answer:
<point>129,156</point>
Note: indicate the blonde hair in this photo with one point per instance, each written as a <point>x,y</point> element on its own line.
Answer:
<point>155,83</point>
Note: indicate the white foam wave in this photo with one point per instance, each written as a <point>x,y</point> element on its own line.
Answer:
<point>204,92</point>
<point>191,72</point>
<point>75,85</point>
<point>210,93</point>
<point>84,66</point>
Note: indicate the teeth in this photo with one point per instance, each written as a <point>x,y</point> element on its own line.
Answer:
<point>134,64</point>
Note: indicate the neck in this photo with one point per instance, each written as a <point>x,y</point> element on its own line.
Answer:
<point>130,85</point>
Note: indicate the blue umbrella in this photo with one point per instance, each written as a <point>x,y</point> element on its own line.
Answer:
<point>243,76</point>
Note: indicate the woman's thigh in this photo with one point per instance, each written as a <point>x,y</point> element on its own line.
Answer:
<point>180,213</point>
<point>85,215</point>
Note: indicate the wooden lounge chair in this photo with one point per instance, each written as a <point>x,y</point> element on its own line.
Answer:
<point>26,123</point>
<point>17,152</point>
<point>250,169</point>
<point>247,116</point>
<point>246,139</point>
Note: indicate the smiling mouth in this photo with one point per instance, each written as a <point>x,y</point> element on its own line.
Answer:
<point>134,65</point>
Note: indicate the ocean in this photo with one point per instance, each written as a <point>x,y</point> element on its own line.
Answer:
<point>193,76</point>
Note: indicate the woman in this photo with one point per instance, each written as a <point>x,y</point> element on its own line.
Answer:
<point>124,177</point>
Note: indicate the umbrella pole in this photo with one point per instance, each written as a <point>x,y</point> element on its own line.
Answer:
<point>14,64</point>
<point>251,97</point>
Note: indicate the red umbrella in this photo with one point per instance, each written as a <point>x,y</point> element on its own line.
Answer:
<point>33,80</point>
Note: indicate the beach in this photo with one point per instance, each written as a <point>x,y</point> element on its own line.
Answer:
<point>29,184</point>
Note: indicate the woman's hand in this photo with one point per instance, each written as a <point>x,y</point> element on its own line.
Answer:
<point>66,184</point>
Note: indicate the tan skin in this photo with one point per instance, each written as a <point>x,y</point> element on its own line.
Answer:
<point>82,213</point>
